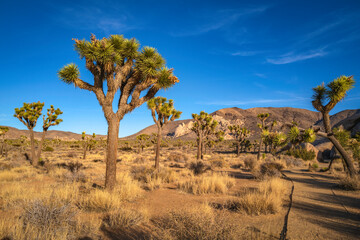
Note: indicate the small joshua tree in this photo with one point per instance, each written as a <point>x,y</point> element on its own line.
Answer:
<point>240,133</point>
<point>126,69</point>
<point>204,125</point>
<point>28,114</point>
<point>162,111</point>
<point>89,142</point>
<point>142,140</point>
<point>262,117</point>
<point>3,131</point>
<point>325,99</point>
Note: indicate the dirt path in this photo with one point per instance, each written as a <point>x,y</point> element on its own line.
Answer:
<point>320,210</point>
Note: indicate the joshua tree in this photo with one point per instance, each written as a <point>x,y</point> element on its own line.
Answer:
<point>262,126</point>
<point>28,114</point>
<point>213,139</point>
<point>124,67</point>
<point>162,111</point>
<point>204,125</point>
<point>142,140</point>
<point>296,137</point>
<point>89,142</point>
<point>324,100</point>
<point>240,133</point>
<point>3,131</point>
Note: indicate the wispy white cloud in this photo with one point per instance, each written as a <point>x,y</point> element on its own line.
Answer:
<point>94,19</point>
<point>223,18</point>
<point>260,75</point>
<point>246,53</point>
<point>296,57</point>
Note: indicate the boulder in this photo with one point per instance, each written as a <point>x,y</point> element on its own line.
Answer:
<point>310,147</point>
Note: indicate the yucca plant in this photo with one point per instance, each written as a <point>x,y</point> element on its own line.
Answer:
<point>240,134</point>
<point>204,125</point>
<point>126,69</point>
<point>29,114</point>
<point>88,142</point>
<point>162,112</point>
<point>142,140</point>
<point>325,98</point>
<point>262,117</point>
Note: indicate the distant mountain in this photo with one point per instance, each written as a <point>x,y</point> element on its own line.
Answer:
<point>349,119</point>
<point>14,133</point>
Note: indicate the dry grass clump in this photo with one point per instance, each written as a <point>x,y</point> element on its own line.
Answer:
<point>218,162</point>
<point>17,174</point>
<point>200,223</point>
<point>349,183</point>
<point>198,167</point>
<point>267,199</point>
<point>178,157</point>
<point>250,162</point>
<point>205,184</point>
<point>41,219</point>
<point>102,200</point>
<point>291,161</point>
<point>152,178</point>
<point>124,218</point>
<point>271,169</point>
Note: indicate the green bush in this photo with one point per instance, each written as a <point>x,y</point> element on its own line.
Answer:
<point>48,149</point>
<point>302,153</point>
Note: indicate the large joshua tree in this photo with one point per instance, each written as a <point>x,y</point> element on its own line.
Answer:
<point>126,69</point>
<point>262,117</point>
<point>324,100</point>
<point>163,112</point>
<point>29,114</point>
<point>204,125</point>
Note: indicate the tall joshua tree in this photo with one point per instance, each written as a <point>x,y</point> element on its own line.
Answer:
<point>204,125</point>
<point>262,117</point>
<point>240,133</point>
<point>163,112</point>
<point>142,140</point>
<point>126,69</point>
<point>324,100</point>
<point>29,114</point>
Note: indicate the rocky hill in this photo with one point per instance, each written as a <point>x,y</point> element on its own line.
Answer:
<point>350,119</point>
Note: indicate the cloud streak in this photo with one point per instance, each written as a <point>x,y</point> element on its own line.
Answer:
<point>225,18</point>
<point>292,57</point>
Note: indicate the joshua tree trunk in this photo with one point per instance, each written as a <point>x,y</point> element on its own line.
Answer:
<point>40,146</point>
<point>238,148</point>
<point>198,156</point>
<point>202,149</point>
<point>85,150</point>
<point>259,152</point>
<point>346,157</point>
<point>111,150</point>
<point>32,146</point>
<point>158,145</point>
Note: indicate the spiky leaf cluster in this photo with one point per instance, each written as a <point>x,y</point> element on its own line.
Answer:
<point>3,130</point>
<point>204,124</point>
<point>29,113</point>
<point>52,118</point>
<point>326,97</point>
<point>295,136</point>
<point>119,62</point>
<point>162,110</point>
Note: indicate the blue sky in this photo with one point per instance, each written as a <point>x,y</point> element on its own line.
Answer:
<point>225,53</point>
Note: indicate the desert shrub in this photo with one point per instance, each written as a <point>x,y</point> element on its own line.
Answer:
<point>49,219</point>
<point>178,157</point>
<point>123,218</point>
<point>237,165</point>
<point>71,155</point>
<point>349,183</point>
<point>291,161</point>
<point>266,200</point>
<point>5,166</point>
<point>75,177</point>
<point>271,169</point>
<point>302,153</point>
<point>313,166</point>
<point>152,178</point>
<point>126,149</point>
<point>48,149</point>
<point>198,167</point>
<point>139,160</point>
<point>250,162</point>
<point>204,184</point>
<point>75,146</point>
<point>218,162</point>
<point>74,166</point>
<point>201,223</point>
